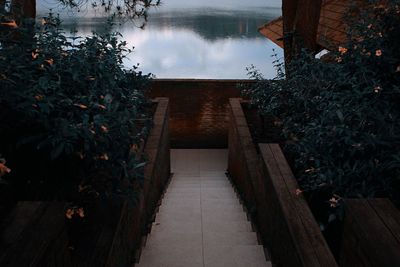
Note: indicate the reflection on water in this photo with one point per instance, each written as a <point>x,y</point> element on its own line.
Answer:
<point>196,42</point>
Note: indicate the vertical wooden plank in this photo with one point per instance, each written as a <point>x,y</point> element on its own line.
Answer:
<point>307,20</point>
<point>289,11</point>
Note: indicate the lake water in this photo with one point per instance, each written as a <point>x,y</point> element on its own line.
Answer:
<point>191,39</point>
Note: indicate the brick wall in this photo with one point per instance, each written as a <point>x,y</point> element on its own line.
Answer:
<point>199,110</point>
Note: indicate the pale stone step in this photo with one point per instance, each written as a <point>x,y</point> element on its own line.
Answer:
<point>229,238</point>
<point>179,213</point>
<point>201,221</point>
<point>213,173</point>
<point>216,201</point>
<point>193,227</point>
<point>171,256</point>
<point>186,238</point>
<point>184,185</point>
<point>224,226</point>
<point>180,201</point>
<point>216,185</point>
<point>222,208</point>
<point>230,216</point>
<point>177,216</point>
<point>170,195</point>
<point>235,256</point>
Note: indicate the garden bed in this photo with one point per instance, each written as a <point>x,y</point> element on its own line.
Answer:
<point>110,238</point>
<point>368,236</point>
<point>291,234</point>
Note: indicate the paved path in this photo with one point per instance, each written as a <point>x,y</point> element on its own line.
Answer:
<point>200,222</point>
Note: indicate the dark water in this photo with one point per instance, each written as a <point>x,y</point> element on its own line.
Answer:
<point>191,39</point>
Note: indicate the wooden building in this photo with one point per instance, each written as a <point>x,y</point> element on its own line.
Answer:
<point>311,24</point>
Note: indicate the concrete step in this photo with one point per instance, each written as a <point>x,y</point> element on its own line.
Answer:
<point>172,255</point>
<point>201,221</point>
<point>235,256</point>
<point>213,226</point>
<point>229,238</point>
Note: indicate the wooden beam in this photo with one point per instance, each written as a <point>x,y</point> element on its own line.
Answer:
<point>289,11</point>
<point>23,9</point>
<point>306,25</point>
<point>300,26</point>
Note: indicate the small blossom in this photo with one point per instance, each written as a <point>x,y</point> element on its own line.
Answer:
<point>81,106</point>
<point>104,156</point>
<point>38,97</point>
<point>82,188</point>
<point>81,212</point>
<point>4,169</point>
<point>378,53</point>
<point>309,170</point>
<point>11,24</point>
<point>342,50</point>
<point>34,55</point>
<point>101,106</point>
<point>69,213</point>
<point>49,61</point>
<point>377,89</point>
<point>398,68</point>
<point>339,59</point>
<point>334,201</point>
<point>298,191</point>
<point>104,129</point>
<point>90,78</point>
<point>134,147</point>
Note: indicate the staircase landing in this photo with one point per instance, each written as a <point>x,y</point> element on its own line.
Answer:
<point>201,222</point>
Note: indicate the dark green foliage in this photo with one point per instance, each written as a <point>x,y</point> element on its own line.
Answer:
<point>70,100</point>
<point>341,117</point>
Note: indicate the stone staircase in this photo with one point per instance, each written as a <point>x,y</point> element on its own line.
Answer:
<point>201,221</point>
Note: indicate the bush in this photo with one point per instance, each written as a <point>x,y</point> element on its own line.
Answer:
<point>70,100</point>
<point>341,118</point>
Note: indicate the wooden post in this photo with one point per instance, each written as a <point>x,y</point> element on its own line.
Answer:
<point>300,25</point>
<point>306,27</point>
<point>289,10</point>
<point>23,9</point>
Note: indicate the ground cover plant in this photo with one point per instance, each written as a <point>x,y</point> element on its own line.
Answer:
<point>341,116</point>
<point>72,118</point>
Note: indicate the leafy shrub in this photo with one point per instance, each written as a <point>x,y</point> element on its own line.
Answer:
<point>71,100</point>
<point>341,117</point>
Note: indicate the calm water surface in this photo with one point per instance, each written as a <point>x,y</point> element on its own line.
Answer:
<point>186,39</point>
